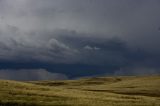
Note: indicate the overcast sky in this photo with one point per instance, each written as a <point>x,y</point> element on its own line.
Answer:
<point>80,37</point>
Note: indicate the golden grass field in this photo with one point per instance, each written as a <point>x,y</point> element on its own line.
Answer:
<point>100,91</point>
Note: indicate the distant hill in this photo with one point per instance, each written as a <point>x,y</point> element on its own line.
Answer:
<point>27,75</point>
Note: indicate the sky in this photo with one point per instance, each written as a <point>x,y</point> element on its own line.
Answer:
<point>65,39</point>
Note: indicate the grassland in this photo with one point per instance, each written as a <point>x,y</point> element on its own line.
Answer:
<point>102,91</point>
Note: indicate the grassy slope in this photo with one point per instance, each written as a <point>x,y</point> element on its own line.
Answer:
<point>104,91</point>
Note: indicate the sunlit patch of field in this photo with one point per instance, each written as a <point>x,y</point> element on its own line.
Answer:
<point>102,91</point>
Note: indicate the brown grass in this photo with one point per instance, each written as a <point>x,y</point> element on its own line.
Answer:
<point>102,91</point>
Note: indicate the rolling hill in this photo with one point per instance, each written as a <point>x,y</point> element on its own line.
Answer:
<point>97,91</point>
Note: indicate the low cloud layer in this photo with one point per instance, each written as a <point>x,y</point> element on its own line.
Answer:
<point>30,75</point>
<point>137,71</point>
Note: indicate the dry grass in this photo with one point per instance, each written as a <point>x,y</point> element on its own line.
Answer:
<point>104,91</point>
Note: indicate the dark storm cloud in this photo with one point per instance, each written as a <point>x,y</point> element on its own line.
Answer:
<point>29,47</point>
<point>65,47</point>
<point>137,71</point>
<point>104,34</point>
<point>75,55</point>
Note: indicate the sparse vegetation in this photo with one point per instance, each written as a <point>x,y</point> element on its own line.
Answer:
<point>102,91</point>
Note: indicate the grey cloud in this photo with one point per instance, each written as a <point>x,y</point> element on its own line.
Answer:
<point>87,47</point>
<point>117,33</point>
<point>112,17</point>
<point>130,20</point>
<point>137,71</point>
<point>30,46</point>
<point>32,74</point>
<point>64,46</point>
